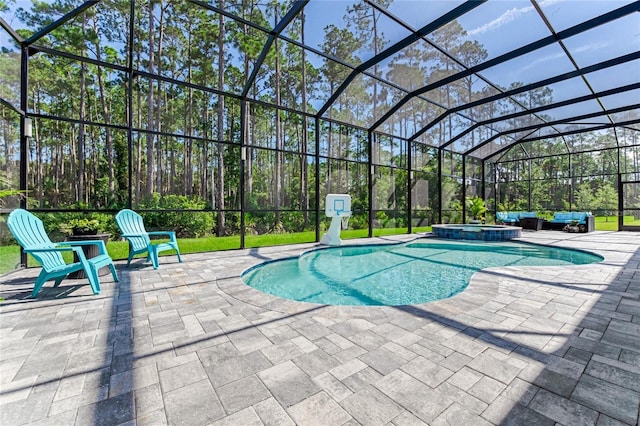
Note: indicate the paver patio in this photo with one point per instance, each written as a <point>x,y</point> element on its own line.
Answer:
<point>191,344</point>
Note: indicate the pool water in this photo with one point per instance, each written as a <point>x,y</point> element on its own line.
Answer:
<point>400,274</point>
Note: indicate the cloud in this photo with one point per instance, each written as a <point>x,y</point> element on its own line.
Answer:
<point>508,16</point>
<point>537,62</point>
<point>546,3</point>
<point>590,47</point>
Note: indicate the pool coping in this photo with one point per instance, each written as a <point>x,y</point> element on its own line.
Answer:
<point>481,290</point>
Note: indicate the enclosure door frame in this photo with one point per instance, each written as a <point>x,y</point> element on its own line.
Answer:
<point>621,205</point>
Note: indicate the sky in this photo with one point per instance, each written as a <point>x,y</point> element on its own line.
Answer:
<point>500,26</point>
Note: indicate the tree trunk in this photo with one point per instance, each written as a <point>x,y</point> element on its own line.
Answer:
<point>304,169</point>
<point>105,115</point>
<point>150,104</point>
<point>138,124</point>
<point>188,155</point>
<point>249,122</point>
<point>220,135</point>
<point>81,128</point>
<point>40,159</point>
<point>158,127</point>
<point>278,153</point>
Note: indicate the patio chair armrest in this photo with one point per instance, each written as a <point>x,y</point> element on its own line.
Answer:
<point>170,234</point>
<point>60,248</point>
<point>43,250</point>
<point>102,248</point>
<point>132,235</point>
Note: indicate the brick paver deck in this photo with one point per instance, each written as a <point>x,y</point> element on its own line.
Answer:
<point>191,344</point>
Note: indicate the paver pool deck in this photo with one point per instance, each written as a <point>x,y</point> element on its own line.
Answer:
<point>191,344</point>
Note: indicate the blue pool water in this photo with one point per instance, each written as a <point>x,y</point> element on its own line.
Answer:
<point>401,274</point>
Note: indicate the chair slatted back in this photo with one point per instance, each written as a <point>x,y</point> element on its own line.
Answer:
<point>131,223</point>
<point>29,231</point>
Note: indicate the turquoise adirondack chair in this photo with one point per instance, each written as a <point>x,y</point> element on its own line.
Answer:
<point>132,228</point>
<point>28,230</point>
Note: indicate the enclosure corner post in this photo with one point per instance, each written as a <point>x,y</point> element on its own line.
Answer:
<point>24,136</point>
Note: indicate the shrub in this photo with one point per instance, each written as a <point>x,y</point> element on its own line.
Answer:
<point>83,226</point>
<point>59,225</point>
<point>476,207</point>
<point>184,223</point>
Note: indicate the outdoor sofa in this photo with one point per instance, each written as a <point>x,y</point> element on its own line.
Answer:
<point>585,221</point>
<point>513,218</point>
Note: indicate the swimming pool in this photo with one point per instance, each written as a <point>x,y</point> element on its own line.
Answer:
<point>420,271</point>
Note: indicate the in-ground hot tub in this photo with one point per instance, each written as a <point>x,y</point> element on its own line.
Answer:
<point>476,232</point>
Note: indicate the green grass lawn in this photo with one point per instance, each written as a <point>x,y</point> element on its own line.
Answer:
<point>9,258</point>
<point>610,223</point>
<point>606,223</point>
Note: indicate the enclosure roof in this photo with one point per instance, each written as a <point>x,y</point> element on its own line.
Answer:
<point>473,77</point>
